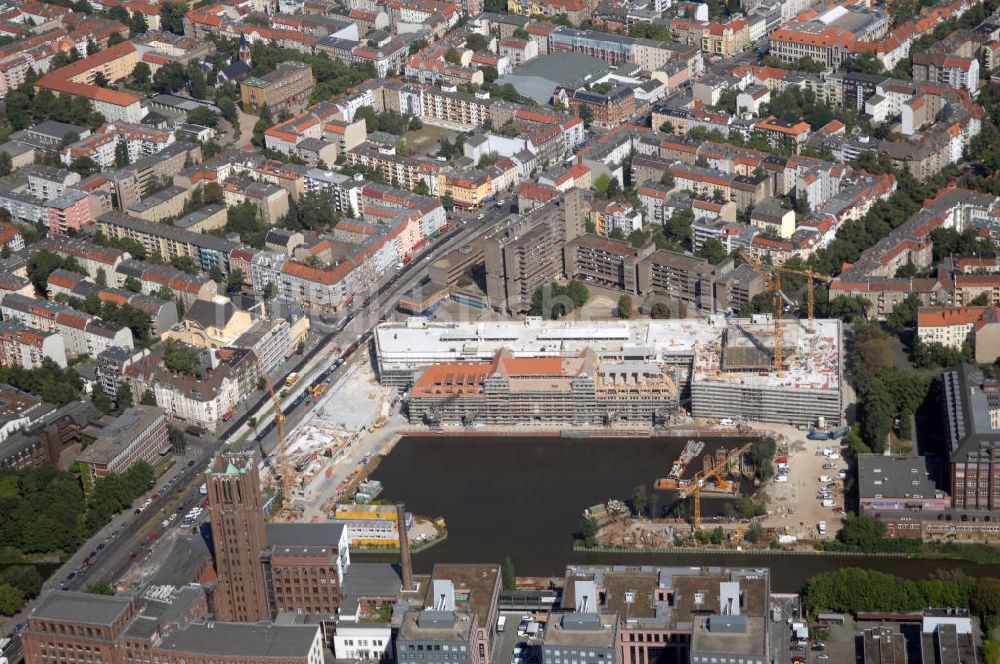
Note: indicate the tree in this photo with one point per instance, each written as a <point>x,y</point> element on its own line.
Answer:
<point>640,499</point>
<point>667,127</point>
<point>169,78</point>
<point>172,17</point>
<point>659,310</point>
<point>712,251</point>
<point>40,266</point>
<point>269,290</point>
<point>132,284</point>
<point>196,80</point>
<point>11,600</point>
<point>121,154</point>
<point>585,114</point>
<point>6,165</point>
<point>178,443</point>
<point>123,397</point>
<point>252,423</point>
<point>625,308</point>
<point>182,358</point>
<point>23,577</point>
<point>904,315</point>
<point>415,123</point>
<point>148,398</point>
<point>452,56</point>
<point>85,166</point>
<point>588,532</point>
<point>235,279</point>
<point>476,42</point>
<point>259,128</point>
<point>509,575</point>
<point>100,588</point>
<point>678,226</point>
<point>137,24</point>
<point>203,116</point>
<point>100,398</point>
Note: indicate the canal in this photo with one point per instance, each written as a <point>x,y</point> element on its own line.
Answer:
<point>523,498</point>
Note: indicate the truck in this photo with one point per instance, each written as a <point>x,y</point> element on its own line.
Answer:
<point>292,378</point>
<point>501,622</point>
<point>203,489</point>
<point>822,527</point>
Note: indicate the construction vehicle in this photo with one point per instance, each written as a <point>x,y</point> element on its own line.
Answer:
<point>292,378</point>
<point>317,390</point>
<point>709,472</point>
<point>282,461</point>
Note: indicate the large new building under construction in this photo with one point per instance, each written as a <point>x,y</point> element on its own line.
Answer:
<point>720,368</point>
<point>510,390</point>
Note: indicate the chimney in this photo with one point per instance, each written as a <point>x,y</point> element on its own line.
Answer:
<point>404,548</point>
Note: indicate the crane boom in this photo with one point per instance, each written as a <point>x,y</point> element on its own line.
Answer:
<point>706,474</point>
<point>773,282</point>
<point>279,421</point>
<point>811,277</point>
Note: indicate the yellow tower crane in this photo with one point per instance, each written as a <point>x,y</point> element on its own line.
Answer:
<point>281,461</point>
<point>705,474</point>
<point>811,276</point>
<point>773,281</point>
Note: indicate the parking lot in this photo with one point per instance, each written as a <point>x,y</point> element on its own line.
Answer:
<point>813,488</point>
<point>514,636</point>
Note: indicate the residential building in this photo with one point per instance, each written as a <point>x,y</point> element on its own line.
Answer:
<point>286,88</point>
<point>80,79</point>
<point>83,334</point>
<point>25,347</point>
<point>69,213</point>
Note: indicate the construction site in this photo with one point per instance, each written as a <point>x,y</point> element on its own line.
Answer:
<point>724,368</point>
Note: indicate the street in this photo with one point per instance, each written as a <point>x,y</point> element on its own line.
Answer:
<point>129,533</point>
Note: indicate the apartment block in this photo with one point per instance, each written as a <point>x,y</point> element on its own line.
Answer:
<point>82,333</point>
<point>286,88</point>
<point>26,347</point>
<point>206,250</point>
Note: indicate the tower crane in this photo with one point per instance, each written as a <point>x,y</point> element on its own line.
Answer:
<point>705,474</point>
<point>811,277</point>
<point>282,461</point>
<point>773,281</point>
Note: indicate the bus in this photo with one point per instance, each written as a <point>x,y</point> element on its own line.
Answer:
<point>292,379</point>
<point>229,414</point>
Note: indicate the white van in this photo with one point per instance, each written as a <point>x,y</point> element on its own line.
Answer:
<point>822,527</point>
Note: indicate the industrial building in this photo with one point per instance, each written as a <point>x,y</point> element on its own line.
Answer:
<point>724,364</point>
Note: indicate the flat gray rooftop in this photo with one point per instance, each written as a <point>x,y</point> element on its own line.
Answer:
<point>85,608</point>
<point>260,641</point>
<point>305,534</point>
<point>539,77</point>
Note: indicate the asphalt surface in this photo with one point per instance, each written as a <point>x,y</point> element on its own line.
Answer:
<point>131,534</point>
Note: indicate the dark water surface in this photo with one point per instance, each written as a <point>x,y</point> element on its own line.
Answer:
<point>523,497</point>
